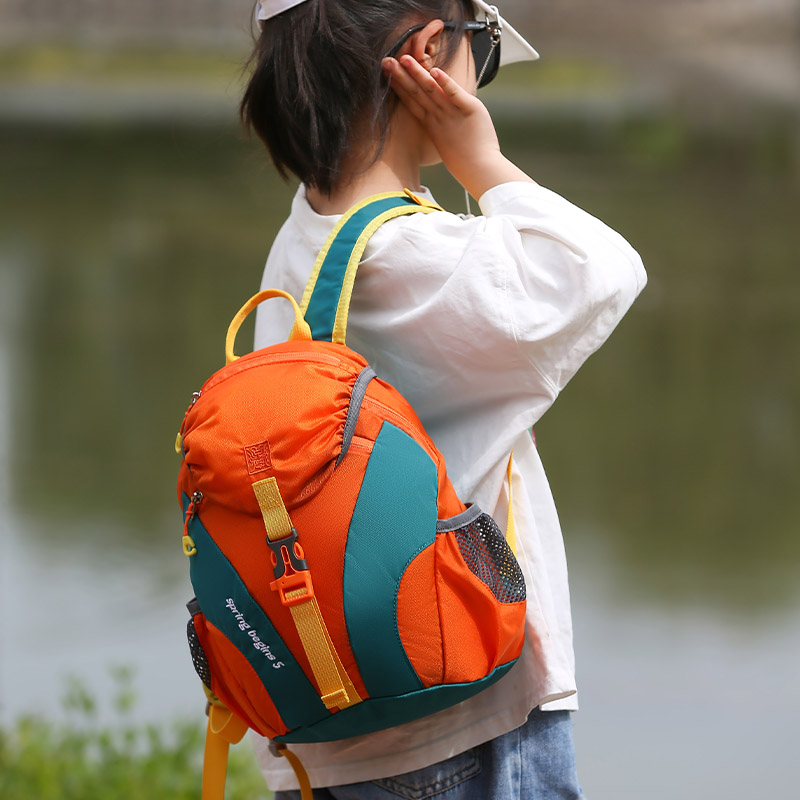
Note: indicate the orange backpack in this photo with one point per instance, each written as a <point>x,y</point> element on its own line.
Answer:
<point>342,586</point>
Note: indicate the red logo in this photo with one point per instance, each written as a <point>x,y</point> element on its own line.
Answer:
<point>258,457</point>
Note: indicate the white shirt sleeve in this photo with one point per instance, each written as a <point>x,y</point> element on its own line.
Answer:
<point>570,278</point>
<point>479,321</point>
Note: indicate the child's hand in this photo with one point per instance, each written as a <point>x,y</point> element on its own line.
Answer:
<point>459,125</point>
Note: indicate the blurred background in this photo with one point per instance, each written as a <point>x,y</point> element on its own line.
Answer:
<point>135,217</point>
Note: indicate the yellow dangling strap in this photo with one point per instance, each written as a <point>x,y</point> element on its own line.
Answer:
<point>280,749</point>
<point>511,528</point>
<point>224,729</point>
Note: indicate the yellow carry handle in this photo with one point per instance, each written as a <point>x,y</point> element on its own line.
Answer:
<point>300,329</point>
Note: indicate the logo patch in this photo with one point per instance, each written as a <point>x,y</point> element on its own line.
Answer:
<point>258,457</point>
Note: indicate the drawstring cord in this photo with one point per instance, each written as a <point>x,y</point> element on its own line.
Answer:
<point>495,41</point>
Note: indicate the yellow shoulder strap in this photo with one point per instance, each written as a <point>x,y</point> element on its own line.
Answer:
<point>343,308</point>
<point>511,528</point>
<point>326,299</point>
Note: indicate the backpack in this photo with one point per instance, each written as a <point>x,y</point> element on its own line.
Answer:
<point>342,587</point>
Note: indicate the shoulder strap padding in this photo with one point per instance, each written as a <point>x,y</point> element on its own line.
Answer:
<point>326,300</point>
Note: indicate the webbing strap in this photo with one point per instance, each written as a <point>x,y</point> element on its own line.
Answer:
<point>336,689</point>
<point>273,511</point>
<point>326,300</point>
<point>297,592</point>
<point>306,792</point>
<point>224,729</point>
<point>511,528</point>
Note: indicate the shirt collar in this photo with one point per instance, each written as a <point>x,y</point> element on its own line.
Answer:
<point>317,227</point>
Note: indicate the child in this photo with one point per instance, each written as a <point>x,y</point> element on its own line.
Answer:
<point>480,322</point>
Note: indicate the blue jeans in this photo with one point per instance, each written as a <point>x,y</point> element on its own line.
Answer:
<point>534,762</point>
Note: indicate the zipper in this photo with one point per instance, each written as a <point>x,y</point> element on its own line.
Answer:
<point>189,547</point>
<point>271,358</point>
<point>404,424</point>
<point>179,438</point>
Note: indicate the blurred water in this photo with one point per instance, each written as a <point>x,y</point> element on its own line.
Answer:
<point>681,702</point>
<point>123,253</point>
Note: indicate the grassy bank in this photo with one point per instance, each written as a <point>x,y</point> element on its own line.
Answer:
<point>78,757</point>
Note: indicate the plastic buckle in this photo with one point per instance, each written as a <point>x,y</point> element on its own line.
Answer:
<point>288,553</point>
<point>290,588</point>
<point>291,571</point>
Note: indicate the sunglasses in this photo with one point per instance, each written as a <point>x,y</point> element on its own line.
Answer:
<point>485,46</point>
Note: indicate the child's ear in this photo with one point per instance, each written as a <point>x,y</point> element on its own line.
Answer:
<point>427,44</point>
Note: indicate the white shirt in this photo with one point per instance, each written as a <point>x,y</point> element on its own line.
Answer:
<point>479,322</point>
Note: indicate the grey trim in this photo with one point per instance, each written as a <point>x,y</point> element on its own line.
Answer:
<point>193,606</point>
<point>356,399</point>
<point>460,520</point>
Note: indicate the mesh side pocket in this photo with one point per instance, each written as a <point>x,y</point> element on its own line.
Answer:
<point>198,655</point>
<point>487,554</point>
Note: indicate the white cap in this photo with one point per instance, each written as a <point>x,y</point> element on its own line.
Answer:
<point>513,46</point>
<point>266,9</point>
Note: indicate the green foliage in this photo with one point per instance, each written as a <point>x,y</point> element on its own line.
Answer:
<point>81,759</point>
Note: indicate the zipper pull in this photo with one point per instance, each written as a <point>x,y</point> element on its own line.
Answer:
<point>179,437</point>
<point>189,547</point>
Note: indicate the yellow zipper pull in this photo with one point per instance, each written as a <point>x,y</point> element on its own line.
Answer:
<point>179,437</point>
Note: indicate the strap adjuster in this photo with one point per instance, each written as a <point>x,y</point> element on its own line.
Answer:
<point>294,589</point>
<point>292,578</point>
<point>293,584</point>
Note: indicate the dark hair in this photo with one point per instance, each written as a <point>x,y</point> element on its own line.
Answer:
<point>316,74</point>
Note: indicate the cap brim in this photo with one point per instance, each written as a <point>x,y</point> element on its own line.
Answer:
<point>513,45</point>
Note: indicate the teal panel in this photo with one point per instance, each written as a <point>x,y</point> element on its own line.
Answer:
<point>321,311</point>
<point>384,712</point>
<point>226,603</point>
<point>393,521</point>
